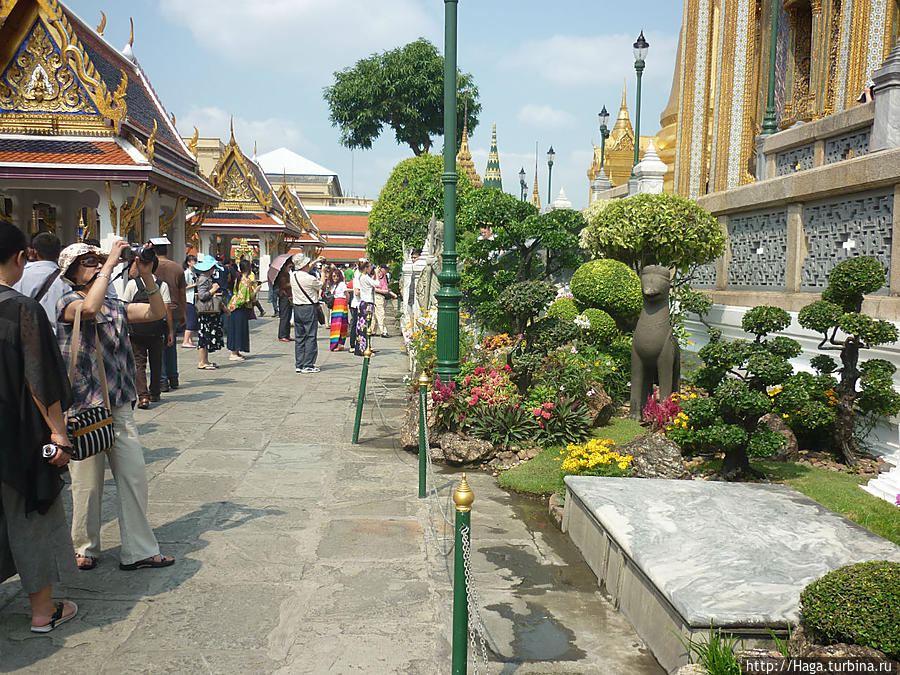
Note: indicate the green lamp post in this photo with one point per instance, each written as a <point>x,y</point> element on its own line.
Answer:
<point>641,46</point>
<point>449,296</point>
<point>550,156</point>
<point>522,185</point>
<point>604,133</point>
<point>770,126</point>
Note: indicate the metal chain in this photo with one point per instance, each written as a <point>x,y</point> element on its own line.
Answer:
<point>475,625</point>
<point>443,549</point>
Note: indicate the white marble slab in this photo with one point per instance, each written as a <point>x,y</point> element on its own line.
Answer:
<point>726,554</point>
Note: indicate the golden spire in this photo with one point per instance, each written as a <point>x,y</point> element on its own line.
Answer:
<point>535,194</point>
<point>232,141</point>
<point>102,25</point>
<point>254,150</point>
<point>464,156</point>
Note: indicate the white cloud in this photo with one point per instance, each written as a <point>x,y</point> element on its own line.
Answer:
<point>572,60</point>
<point>268,134</point>
<point>545,116</point>
<point>302,35</point>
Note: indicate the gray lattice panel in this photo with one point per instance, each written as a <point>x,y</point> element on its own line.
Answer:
<point>866,219</point>
<point>792,161</point>
<point>705,276</point>
<point>847,146</point>
<point>758,243</point>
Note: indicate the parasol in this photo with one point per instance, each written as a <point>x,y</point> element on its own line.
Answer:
<point>277,265</point>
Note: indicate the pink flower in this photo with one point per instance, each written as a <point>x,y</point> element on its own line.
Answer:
<point>545,415</point>
<point>507,368</point>
<point>536,412</point>
<point>549,406</point>
<point>479,371</point>
<point>474,399</point>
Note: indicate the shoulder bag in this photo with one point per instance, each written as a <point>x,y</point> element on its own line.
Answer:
<point>212,304</point>
<point>328,298</point>
<point>91,431</point>
<point>146,329</point>
<point>320,313</point>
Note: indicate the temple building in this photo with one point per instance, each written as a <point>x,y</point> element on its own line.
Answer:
<point>492,177</point>
<point>86,146</point>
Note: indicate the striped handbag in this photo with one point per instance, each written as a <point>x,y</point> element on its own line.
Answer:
<point>91,431</point>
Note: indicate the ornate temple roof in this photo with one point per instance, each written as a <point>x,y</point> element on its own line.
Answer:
<point>492,177</point>
<point>62,82</point>
<point>464,157</point>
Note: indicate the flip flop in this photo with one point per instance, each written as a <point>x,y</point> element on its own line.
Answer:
<point>57,617</point>
<point>208,366</point>
<point>146,563</point>
<point>91,564</point>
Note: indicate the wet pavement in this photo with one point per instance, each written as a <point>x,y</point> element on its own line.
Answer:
<point>301,553</point>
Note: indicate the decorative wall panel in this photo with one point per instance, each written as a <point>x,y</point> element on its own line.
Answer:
<point>705,276</point>
<point>847,146</point>
<point>791,161</point>
<point>758,243</point>
<point>847,227</point>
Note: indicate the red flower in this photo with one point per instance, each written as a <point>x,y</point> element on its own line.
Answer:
<point>545,415</point>
<point>507,368</point>
<point>479,370</point>
<point>548,406</point>
<point>536,412</point>
<point>474,399</point>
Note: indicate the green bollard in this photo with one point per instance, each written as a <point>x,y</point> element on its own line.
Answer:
<point>423,421</point>
<point>463,498</point>
<point>362,393</point>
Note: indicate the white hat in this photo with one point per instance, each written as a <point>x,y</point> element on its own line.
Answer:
<point>300,260</point>
<point>72,252</point>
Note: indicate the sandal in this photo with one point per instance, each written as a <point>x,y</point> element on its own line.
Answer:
<point>143,403</point>
<point>208,366</point>
<point>163,561</point>
<point>58,617</point>
<point>91,562</point>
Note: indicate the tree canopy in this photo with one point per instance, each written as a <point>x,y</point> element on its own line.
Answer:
<point>402,88</point>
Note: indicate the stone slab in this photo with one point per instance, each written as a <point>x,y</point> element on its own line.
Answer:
<point>680,556</point>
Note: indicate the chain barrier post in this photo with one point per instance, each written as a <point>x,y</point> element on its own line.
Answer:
<point>362,393</point>
<point>423,421</point>
<point>463,498</point>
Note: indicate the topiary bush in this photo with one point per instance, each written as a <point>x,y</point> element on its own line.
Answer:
<point>608,285</point>
<point>563,309</point>
<point>601,327</point>
<point>524,300</point>
<point>856,604</point>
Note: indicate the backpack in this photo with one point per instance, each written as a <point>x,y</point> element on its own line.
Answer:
<point>146,329</point>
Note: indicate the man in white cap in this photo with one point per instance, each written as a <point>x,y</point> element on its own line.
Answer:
<point>305,290</point>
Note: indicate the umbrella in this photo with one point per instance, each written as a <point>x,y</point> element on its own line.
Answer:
<point>277,265</point>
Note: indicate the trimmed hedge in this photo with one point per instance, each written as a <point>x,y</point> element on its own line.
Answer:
<point>608,285</point>
<point>858,604</point>
<point>603,326</point>
<point>563,309</point>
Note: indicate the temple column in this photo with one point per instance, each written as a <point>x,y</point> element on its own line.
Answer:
<point>818,70</point>
<point>152,211</point>
<point>108,211</point>
<point>176,232</point>
<point>206,242</point>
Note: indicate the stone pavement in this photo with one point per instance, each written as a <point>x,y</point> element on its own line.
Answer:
<point>301,553</point>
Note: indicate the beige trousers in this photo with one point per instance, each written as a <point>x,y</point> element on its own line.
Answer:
<point>378,325</point>
<point>126,461</point>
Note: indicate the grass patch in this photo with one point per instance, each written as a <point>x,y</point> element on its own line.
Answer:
<point>837,491</point>
<point>542,475</point>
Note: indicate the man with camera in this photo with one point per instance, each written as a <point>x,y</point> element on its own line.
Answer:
<point>172,275</point>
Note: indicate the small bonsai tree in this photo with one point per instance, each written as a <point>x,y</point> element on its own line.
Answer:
<point>737,374</point>
<point>524,300</point>
<point>845,329</point>
<point>608,285</point>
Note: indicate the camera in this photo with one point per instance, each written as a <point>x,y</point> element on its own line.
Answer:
<point>143,252</point>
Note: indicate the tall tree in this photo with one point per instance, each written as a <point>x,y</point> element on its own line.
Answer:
<point>402,88</point>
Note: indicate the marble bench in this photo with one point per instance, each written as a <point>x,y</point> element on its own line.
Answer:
<point>680,556</point>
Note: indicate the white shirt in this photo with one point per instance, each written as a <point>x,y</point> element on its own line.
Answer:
<point>190,277</point>
<point>300,282</point>
<point>367,286</point>
<point>33,279</point>
<point>354,296</point>
<point>131,289</point>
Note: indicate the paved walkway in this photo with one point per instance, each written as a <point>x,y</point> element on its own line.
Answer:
<point>301,553</point>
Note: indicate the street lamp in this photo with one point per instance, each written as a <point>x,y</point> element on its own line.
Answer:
<point>550,156</point>
<point>641,46</point>
<point>522,185</point>
<point>604,132</point>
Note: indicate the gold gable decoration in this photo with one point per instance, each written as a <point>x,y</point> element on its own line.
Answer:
<point>234,179</point>
<point>51,84</point>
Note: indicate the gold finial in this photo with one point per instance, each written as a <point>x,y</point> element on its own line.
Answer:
<point>173,118</point>
<point>102,25</point>
<point>463,497</point>
<point>624,88</point>
<point>284,177</point>
<point>254,149</point>
<point>423,379</point>
<point>232,131</point>
<point>368,352</point>
<point>192,146</point>
<point>131,36</point>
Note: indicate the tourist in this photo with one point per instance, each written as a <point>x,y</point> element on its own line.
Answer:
<point>364,289</point>
<point>148,338</point>
<point>382,293</point>
<point>239,313</point>
<point>172,274</point>
<point>338,287</point>
<point>285,307</point>
<point>34,542</point>
<point>104,336</point>
<point>190,312</point>
<point>354,302</point>
<point>211,337</point>
<point>305,294</point>
<point>41,278</point>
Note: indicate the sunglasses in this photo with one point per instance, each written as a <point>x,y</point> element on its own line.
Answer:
<point>90,262</point>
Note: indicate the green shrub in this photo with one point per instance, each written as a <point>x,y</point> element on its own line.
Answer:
<point>857,604</point>
<point>608,285</point>
<point>563,309</point>
<point>602,328</point>
<point>547,334</point>
<point>853,278</point>
<point>524,300</point>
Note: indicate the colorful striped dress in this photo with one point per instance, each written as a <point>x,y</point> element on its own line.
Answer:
<point>339,316</point>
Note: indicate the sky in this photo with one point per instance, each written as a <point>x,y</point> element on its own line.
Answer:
<point>543,70</point>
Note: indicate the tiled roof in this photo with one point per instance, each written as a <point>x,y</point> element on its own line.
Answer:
<point>343,254</point>
<point>35,151</point>
<point>335,240</point>
<point>329,222</point>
